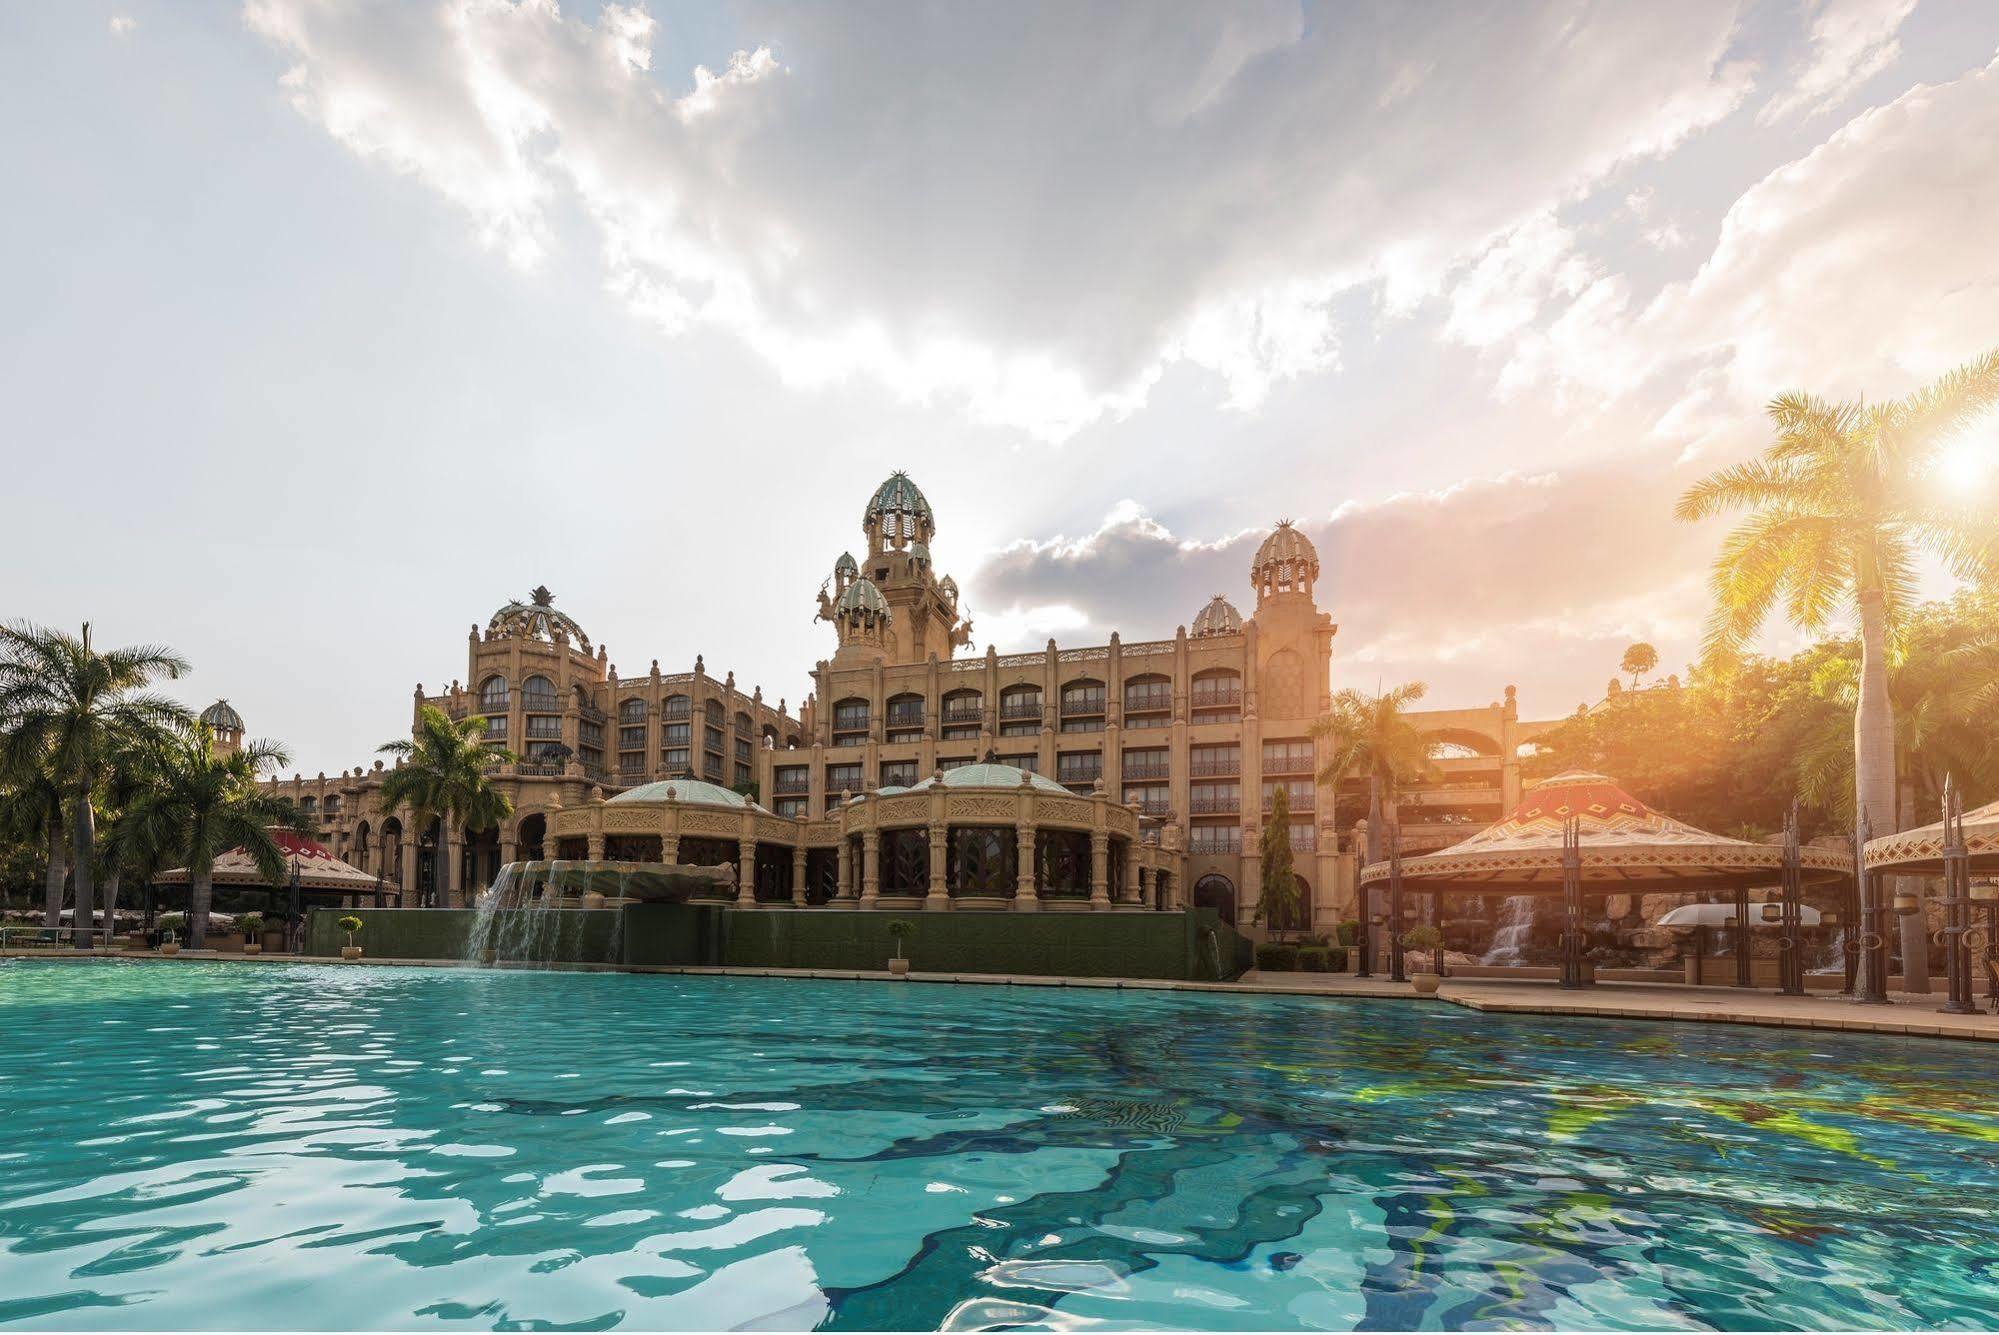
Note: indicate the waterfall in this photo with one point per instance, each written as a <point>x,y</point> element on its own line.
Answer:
<point>480,937</point>
<point>1513,931</point>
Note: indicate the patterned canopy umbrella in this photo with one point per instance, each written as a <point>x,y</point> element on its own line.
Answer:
<point>318,869</point>
<point>1919,852</point>
<point>1624,846</point>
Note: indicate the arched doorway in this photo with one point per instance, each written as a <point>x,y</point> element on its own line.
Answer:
<point>1217,892</point>
<point>533,830</point>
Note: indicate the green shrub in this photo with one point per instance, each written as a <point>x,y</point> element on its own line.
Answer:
<point>1348,932</point>
<point>1336,959</point>
<point>1314,959</point>
<point>174,923</point>
<point>251,925</point>
<point>1277,957</point>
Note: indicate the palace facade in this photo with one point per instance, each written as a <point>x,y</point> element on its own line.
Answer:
<point>917,775</point>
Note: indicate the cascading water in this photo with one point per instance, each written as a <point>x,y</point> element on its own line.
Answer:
<point>1514,930</point>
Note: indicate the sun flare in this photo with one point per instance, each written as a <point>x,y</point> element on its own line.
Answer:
<point>1968,466</point>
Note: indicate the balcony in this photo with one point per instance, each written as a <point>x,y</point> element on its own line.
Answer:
<point>966,713</point>
<point>1019,709</point>
<point>1276,765</point>
<point>1148,702</point>
<point>1305,803</point>
<point>905,718</point>
<point>1218,697</point>
<point>1215,806</point>
<point>497,705</point>
<point>788,786</point>
<point>542,704</point>
<point>1231,843</point>
<point>1083,707</point>
<point>1148,769</point>
<point>1215,769</point>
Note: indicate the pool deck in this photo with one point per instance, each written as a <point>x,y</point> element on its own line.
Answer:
<point>1905,1014</point>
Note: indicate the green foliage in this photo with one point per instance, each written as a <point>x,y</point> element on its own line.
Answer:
<point>441,772</point>
<point>1371,736</point>
<point>1278,901</point>
<point>173,923</point>
<point>1639,661</point>
<point>1844,503</point>
<point>1422,937</point>
<point>1348,932</point>
<point>1277,957</point>
<point>252,924</point>
<point>1314,959</point>
<point>349,924</point>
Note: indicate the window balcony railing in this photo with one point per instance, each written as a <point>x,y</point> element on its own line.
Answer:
<point>1148,769</point>
<point>964,713</point>
<point>1215,806</point>
<point>496,705</point>
<point>791,784</point>
<point>905,718</point>
<point>1083,707</point>
<point>1147,702</point>
<point>1020,709</point>
<point>1304,839</point>
<point>681,710</point>
<point>1274,765</point>
<point>1217,697</point>
<point>1297,803</point>
<point>1231,843</point>
<point>1214,769</point>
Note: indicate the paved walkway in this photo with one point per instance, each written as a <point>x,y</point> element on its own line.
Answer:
<point>1905,1013</point>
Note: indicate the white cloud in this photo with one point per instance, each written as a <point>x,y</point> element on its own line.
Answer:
<point>1864,267</point>
<point>122,25</point>
<point>1509,284</point>
<point>1031,215</point>
<point>1851,41</point>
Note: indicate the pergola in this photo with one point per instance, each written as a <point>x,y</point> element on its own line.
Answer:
<point>1579,834</point>
<point>313,872</point>
<point>1962,845</point>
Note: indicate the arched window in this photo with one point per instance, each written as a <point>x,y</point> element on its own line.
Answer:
<point>493,694</point>
<point>677,706</point>
<point>1217,892</point>
<point>632,711</point>
<point>744,727</point>
<point>714,712</point>
<point>1020,703</point>
<point>905,716</point>
<point>1217,688</point>
<point>963,706</point>
<point>538,693</point>
<point>1148,693</point>
<point>850,715</point>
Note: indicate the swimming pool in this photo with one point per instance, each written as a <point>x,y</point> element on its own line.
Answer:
<point>203,1145</point>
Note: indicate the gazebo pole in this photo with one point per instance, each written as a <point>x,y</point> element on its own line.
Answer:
<point>1572,903</point>
<point>1742,936</point>
<point>1395,973</point>
<point>1364,938</point>
<point>1791,960</point>
<point>1956,902</point>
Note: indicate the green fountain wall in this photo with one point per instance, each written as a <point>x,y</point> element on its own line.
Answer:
<point>1190,945</point>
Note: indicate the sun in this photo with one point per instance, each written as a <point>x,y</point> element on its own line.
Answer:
<point>1968,466</point>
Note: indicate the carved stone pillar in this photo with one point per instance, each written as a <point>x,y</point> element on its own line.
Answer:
<point>1024,899</point>
<point>669,847</point>
<point>1131,893</point>
<point>596,845</point>
<point>846,890</point>
<point>451,892</point>
<point>798,877</point>
<point>1100,879</point>
<point>938,899</point>
<point>746,874</point>
<point>871,868</point>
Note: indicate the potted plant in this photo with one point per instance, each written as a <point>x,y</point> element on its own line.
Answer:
<point>1426,937</point>
<point>900,928</point>
<point>170,928</point>
<point>350,925</point>
<point>253,933</point>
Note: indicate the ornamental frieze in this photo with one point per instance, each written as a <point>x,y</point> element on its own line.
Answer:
<point>708,822</point>
<point>630,821</point>
<point>1067,810</point>
<point>904,808</point>
<point>772,827</point>
<point>982,808</point>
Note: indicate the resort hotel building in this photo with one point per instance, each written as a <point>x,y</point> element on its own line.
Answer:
<point>920,775</point>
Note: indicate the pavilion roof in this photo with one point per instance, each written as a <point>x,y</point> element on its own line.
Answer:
<point>318,869</point>
<point>1921,849</point>
<point>1624,845</point>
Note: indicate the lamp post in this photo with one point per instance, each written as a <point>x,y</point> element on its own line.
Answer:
<point>1871,985</point>
<point>1790,958</point>
<point>1956,903</point>
<point>1395,972</point>
<point>427,845</point>
<point>1572,903</point>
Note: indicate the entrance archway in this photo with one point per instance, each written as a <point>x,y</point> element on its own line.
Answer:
<point>1217,892</point>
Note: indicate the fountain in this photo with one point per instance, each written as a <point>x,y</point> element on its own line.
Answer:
<point>1513,931</point>
<point>534,911</point>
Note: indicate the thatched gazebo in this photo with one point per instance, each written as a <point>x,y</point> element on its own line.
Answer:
<point>1579,834</point>
<point>311,867</point>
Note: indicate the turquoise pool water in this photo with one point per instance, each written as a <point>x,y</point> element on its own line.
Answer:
<point>192,1145</point>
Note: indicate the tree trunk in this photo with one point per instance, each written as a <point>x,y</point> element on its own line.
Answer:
<point>201,890</point>
<point>111,886</point>
<point>1874,759</point>
<point>58,873</point>
<point>82,844</point>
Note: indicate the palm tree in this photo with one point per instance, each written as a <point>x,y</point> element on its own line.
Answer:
<point>31,815</point>
<point>1372,736</point>
<point>440,775</point>
<point>69,710</point>
<point>200,806</point>
<point>1841,506</point>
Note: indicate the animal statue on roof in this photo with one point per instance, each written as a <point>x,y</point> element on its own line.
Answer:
<point>825,612</point>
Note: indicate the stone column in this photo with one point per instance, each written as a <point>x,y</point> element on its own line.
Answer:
<point>871,868</point>
<point>1134,891</point>
<point>1249,895</point>
<point>846,890</point>
<point>1024,899</point>
<point>510,849</point>
<point>596,845</point>
<point>407,867</point>
<point>746,874</point>
<point>451,885</point>
<point>1100,857</point>
<point>798,877</point>
<point>938,900</point>
<point>669,847</point>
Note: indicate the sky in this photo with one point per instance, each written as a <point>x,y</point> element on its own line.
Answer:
<point>328,328</point>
